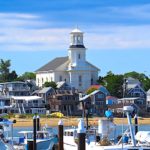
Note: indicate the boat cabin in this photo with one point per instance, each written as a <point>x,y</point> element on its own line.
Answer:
<point>39,134</point>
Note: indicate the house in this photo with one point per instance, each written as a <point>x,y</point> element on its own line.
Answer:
<point>134,90</point>
<point>95,102</point>
<point>148,100</point>
<point>44,93</point>
<point>15,88</point>
<point>127,101</point>
<point>74,69</point>
<point>64,101</point>
<point>101,88</point>
<point>27,104</point>
<point>4,104</point>
<point>111,100</point>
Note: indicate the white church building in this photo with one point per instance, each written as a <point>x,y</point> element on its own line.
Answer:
<point>74,69</point>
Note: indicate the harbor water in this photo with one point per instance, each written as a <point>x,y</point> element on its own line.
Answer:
<point>117,132</point>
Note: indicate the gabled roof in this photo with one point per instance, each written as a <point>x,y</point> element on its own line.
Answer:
<point>111,97</point>
<point>93,65</point>
<point>130,90</point>
<point>45,90</point>
<point>87,96</point>
<point>52,65</point>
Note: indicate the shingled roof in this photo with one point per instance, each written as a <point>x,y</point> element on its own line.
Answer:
<point>52,65</point>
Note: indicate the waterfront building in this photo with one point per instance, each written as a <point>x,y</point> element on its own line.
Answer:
<point>95,103</point>
<point>64,101</point>
<point>15,88</point>
<point>27,104</point>
<point>148,100</point>
<point>74,69</point>
<point>135,90</point>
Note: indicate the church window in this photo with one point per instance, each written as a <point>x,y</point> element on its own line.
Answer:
<point>91,81</point>
<point>38,81</point>
<point>80,80</point>
<point>60,78</point>
<point>79,56</point>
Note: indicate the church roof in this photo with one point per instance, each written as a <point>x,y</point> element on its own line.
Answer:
<point>77,46</point>
<point>52,65</point>
<point>76,30</point>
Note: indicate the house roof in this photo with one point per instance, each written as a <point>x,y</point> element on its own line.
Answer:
<point>52,65</point>
<point>45,90</point>
<point>111,97</point>
<point>87,96</point>
<point>101,88</point>
<point>93,65</point>
<point>26,98</point>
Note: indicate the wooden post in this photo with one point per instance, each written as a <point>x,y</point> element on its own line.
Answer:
<point>81,135</point>
<point>136,123</point>
<point>34,133</point>
<point>60,135</point>
<point>38,123</point>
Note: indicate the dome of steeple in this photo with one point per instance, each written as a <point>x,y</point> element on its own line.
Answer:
<point>76,30</point>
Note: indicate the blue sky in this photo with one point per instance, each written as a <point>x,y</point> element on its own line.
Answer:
<point>117,32</point>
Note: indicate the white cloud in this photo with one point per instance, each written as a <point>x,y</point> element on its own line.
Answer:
<point>25,32</point>
<point>119,37</point>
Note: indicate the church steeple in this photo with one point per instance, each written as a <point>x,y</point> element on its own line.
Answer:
<point>76,40</point>
<point>77,51</point>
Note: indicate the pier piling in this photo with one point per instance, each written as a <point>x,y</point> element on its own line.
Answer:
<point>81,135</point>
<point>38,123</point>
<point>34,133</point>
<point>136,123</point>
<point>60,135</point>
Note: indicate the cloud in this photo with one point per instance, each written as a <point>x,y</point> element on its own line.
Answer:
<point>27,32</point>
<point>119,37</point>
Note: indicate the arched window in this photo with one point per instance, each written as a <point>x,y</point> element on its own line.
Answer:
<point>42,81</point>
<point>46,79</point>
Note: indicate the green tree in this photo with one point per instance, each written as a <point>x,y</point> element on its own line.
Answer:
<point>4,70</point>
<point>50,84</point>
<point>113,84</point>
<point>27,76</point>
<point>141,77</point>
<point>12,76</point>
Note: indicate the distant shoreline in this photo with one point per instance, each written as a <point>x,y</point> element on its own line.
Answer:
<point>53,122</point>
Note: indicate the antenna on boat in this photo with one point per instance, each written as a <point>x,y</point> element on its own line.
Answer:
<point>128,110</point>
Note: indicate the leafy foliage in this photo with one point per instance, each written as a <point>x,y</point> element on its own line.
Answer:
<point>114,83</point>
<point>50,84</point>
<point>5,74</point>
<point>27,76</point>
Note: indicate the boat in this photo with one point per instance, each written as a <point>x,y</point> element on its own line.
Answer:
<point>98,138</point>
<point>46,139</point>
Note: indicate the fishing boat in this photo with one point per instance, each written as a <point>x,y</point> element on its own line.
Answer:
<point>46,139</point>
<point>98,138</point>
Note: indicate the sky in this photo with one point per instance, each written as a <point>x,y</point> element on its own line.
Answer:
<point>116,33</point>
